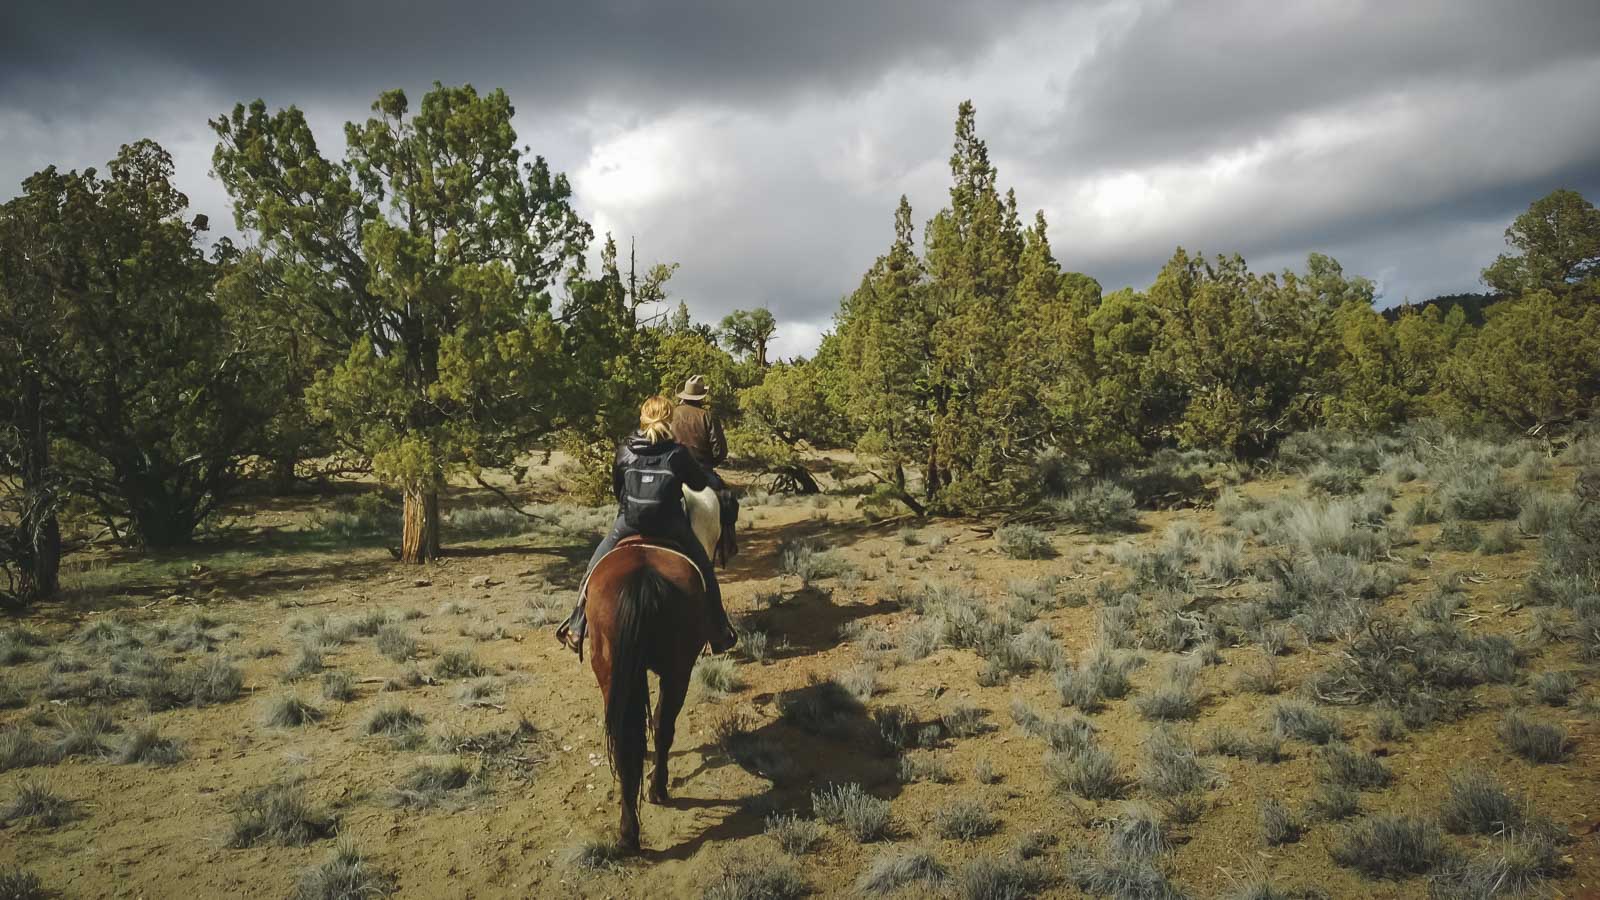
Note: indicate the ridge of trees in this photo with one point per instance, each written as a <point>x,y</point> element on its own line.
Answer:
<point>422,308</point>
<point>1474,306</point>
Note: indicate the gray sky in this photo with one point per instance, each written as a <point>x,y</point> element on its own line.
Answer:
<point>764,145</point>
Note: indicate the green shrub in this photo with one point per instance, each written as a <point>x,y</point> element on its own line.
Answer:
<point>488,522</point>
<point>1278,825</point>
<point>1337,481</point>
<point>718,674</point>
<point>280,814</point>
<point>459,664</point>
<point>964,820</point>
<point>743,878</point>
<point>1478,804</point>
<point>1024,542</point>
<point>1479,493</point>
<point>18,884</point>
<point>794,835</point>
<point>1103,506</point>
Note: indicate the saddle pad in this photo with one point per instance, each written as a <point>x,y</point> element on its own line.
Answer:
<point>630,543</point>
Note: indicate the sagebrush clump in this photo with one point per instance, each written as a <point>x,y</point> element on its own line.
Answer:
<point>862,816</point>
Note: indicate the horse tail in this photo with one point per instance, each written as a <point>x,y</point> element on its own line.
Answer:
<point>639,607</point>
<point>728,541</point>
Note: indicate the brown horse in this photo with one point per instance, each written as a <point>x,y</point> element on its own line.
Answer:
<point>646,609</point>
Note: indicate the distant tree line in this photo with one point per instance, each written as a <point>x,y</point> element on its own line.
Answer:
<point>956,363</point>
<point>421,309</point>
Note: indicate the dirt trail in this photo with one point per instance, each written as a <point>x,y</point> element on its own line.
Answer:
<point>161,832</point>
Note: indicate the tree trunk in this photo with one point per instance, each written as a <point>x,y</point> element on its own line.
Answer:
<point>40,576</point>
<point>39,530</point>
<point>430,512</point>
<point>419,530</point>
<point>282,477</point>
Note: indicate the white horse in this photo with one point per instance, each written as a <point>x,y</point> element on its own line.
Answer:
<point>705,517</point>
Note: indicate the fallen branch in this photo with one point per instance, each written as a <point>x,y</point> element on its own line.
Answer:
<point>510,503</point>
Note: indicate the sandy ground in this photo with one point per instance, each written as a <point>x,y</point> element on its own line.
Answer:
<point>162,832</point>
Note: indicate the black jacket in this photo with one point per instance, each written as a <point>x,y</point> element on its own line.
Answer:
<point>678,459</point>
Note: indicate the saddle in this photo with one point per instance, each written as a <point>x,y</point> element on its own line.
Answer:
<point>637,544</point>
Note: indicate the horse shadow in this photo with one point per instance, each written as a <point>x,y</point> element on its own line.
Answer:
<point>809,621</point>
<point>822,736</point>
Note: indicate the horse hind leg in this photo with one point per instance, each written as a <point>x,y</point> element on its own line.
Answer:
<point>674,688</point>
<point>628,825</point>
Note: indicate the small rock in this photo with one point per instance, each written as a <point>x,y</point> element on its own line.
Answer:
<point>482,581</point>
<point>421,582</point>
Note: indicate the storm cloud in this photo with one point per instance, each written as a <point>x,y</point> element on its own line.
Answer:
<point>764,145</point>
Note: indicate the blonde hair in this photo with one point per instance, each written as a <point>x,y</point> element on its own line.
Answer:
<point>655,418</point>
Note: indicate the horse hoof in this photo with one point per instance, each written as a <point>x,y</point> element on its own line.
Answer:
<point>658,796</point>
<point>628,845</point>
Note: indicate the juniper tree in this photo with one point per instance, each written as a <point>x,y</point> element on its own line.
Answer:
<point>1559,240</point>
<point>883,349</point>
<point>132,374</point>
<point>1536,361</point>
<point>747,333</point>
<point>428,261</point>
<point>974,247</point>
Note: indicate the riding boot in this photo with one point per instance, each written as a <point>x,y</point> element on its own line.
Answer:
<point>723,637</point>
<point>571,632</point>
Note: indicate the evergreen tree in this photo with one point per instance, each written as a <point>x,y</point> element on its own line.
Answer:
<point>1559,243</point>
<point>131,372</point>
<point>974,248</point>
<point>884,352</point>
<point>1535,363</point>
<point>747,332</point>
<point>679,322</point>
<point>428,258</point>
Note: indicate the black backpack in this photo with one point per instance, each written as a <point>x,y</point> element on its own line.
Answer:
<point>652,499</point>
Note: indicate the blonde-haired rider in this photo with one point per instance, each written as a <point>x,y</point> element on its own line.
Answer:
<point>648,477</point>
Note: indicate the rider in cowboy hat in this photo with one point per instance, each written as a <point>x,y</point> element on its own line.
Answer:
<point>695,427</point>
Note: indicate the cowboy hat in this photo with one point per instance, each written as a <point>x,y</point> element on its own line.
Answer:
<point>694,389</point>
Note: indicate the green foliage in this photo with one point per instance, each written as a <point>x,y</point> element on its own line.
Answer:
<point>1104,506</point>
<point>425,263</point>
<point>792,404</point>
<point>1559,240</point>
<point>747,332</point>
<point>1535,362</point>
<point>1024,542</point>
<point>963,362</point>
<point>1243,353</point>
<point>680,355</point>
<point>108,306</point>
